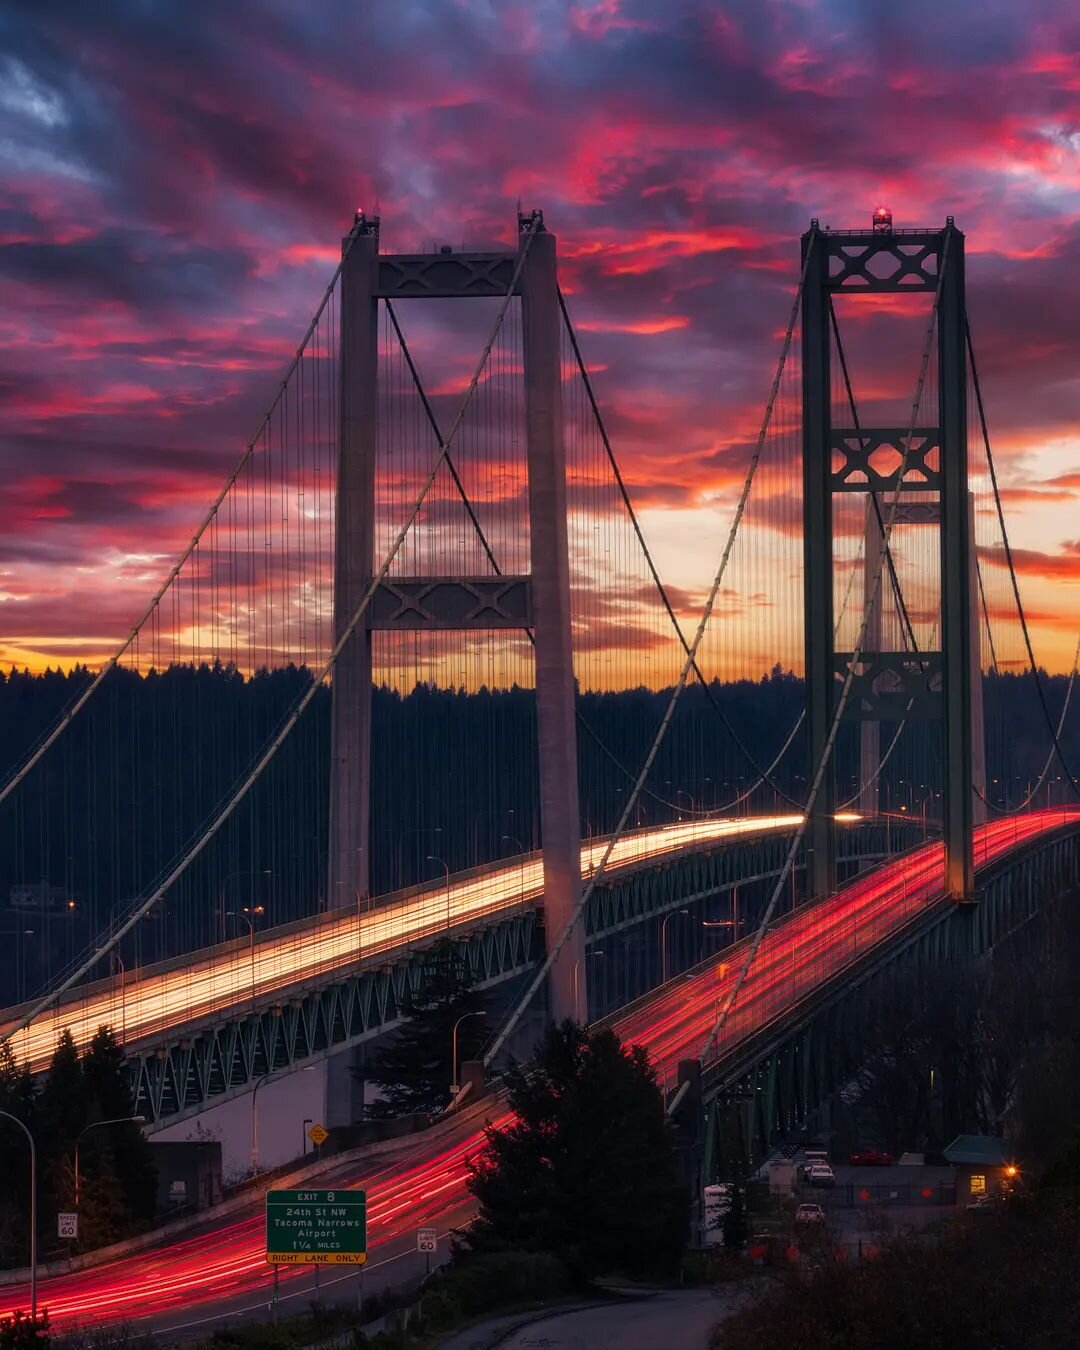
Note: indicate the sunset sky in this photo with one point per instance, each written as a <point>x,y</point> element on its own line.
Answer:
<point>176,179</point>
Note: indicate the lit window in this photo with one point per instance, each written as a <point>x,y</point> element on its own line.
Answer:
<point>978,1183</point>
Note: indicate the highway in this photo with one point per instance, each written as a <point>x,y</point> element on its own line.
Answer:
<point>804,949</point>
<point>221,1271</point>
<point>177,994</point>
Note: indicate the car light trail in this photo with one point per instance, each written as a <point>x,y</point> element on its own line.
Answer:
<point>806,948</point>
<point>183,992</point>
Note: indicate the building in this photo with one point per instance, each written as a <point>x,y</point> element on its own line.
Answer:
<point>189,1174</point>
<point>983,1166</point>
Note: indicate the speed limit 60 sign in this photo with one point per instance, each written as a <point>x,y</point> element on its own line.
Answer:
<point>427,1239</point>
<point>67,1226</point>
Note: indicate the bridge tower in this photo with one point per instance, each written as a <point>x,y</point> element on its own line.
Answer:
<point>938,683</point>
<point>539,601</point>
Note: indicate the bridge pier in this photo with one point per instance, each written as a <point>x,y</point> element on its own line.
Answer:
<point>345,1087</point>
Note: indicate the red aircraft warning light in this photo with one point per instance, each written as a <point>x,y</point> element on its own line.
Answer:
<point>883,220</point>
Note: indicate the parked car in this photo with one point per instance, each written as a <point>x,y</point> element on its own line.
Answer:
<point>809,1214</point>
<point>821,1174</point>
<point>983,1204</point>
<point>872,1157</point>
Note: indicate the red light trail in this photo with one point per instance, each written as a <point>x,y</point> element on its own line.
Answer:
<point>804,949</point>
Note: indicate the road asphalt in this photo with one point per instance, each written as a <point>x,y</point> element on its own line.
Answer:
<point>677,1320</point>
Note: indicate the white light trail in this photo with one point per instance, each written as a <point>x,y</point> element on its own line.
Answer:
<point>183,992</point>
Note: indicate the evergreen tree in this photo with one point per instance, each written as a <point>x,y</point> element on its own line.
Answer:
<point>413,1070</point>
<point>587,1169</point>
<point>17,1098</point>
<point>117,1152</point>
<point>117,1182</point>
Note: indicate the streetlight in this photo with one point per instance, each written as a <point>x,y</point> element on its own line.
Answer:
<point>663,943</point>
<point>453,1049</point>
<point>119,1120</point>
<point>123,992</point>
<point>20,965</point>
<point>264,872</point>
<point>574,980</point>
<point>513,839</point>
<point>33,1214</point>
<point>255,1122</point>
<point>246,914</point>
<point>432,857</point>
<point>733,922</point>
<point>422,830</point>
<point>272,1073</point>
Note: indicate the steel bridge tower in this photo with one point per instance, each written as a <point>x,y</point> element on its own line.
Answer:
<point>938,684</point>
<point>539,601</point>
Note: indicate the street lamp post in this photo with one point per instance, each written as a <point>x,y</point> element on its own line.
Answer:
<point>33,1213</point>
<point>20,964</point>
<point>405,834</point>
<point>513,839</point>
<point>255,1122</point>
<point>264,872</point>
<point>733,922</point>
<point>271,1073</point>
<point>433,857</point>
<point>663,943</point>
<point>574,977</point>
<point>453,1049</point>
<point>96,1124</point>
<point>123,993</point>
<point>246,914</point>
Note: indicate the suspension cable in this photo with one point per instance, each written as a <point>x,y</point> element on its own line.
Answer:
<point>433,422</point>
<point>898,594</point>
<point>67,717</point>
<point>763,774</point>
<point>1034,791</point>
<point>224,813</point>
<point>1009,559</point>
<point>907,629</point>
<point>845,692</point>
<point>600,870</point>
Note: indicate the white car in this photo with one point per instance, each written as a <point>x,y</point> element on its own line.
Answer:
<point>809,1214</point>
<point>820,1174</point>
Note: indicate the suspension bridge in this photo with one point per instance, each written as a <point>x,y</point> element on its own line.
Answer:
<point>417,679</point>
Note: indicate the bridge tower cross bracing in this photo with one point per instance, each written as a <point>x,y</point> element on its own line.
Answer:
<point>934,491</point>
<point>870,747</point>
<point>539,601</point>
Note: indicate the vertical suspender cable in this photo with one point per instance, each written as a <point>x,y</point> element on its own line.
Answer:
<point>676,693</point>
<point>194,850</point>
<point>845,692</point>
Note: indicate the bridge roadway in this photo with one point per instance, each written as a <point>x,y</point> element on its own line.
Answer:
<point>166,999</point>
<point>221,1271</point>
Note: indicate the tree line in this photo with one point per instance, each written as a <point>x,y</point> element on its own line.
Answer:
<point>62,1108</point>
<point>136,777</point>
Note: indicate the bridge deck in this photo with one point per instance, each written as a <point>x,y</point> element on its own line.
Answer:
<point>814,944</point>
<point>188,991</point>
<point>429,1183</point>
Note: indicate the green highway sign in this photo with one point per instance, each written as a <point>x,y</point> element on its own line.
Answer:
<point>321,1228</point>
